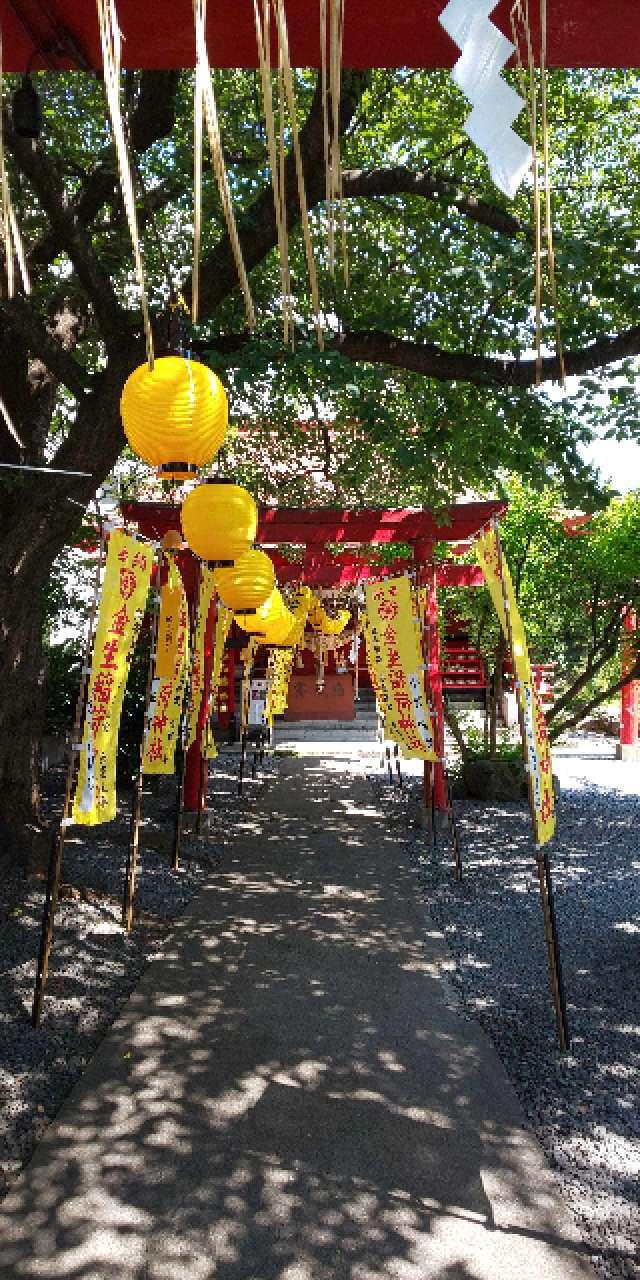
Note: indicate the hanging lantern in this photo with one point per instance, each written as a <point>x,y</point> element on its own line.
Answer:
<point>247,583</point>
<point>175,415</point>
<point>219,521</point>
<point>264,618</point>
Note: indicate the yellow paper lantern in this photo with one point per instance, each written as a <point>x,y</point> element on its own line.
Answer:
<point>264,619</point>
<point>219,521</point>
<point>247,583</point>
<point>175,415</point>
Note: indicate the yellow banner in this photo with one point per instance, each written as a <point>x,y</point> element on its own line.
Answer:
<point>167,695</point>
<point>172,600</point>
<point>396,665</point>
<point>279,668</point>
<point>197,666</point>
<point>223,626</point>
<point>124,593</point>
<point>536,742</point>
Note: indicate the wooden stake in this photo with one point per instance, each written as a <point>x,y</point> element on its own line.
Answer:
<point>54,870</point>
<point>542,859</point>
<point>129,891</point>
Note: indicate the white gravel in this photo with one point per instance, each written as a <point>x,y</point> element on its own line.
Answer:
<point>584,1105</point>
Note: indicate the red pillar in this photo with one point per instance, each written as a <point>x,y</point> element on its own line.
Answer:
<point>426,573</point>
<point>629,694</point>
<point>196,769</point>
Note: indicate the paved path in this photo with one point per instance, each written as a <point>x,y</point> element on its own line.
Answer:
<point>290,1093</point>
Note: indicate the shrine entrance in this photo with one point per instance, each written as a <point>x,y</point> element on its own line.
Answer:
<point>337,553</point>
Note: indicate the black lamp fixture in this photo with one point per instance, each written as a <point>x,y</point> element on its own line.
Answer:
<point>26,110</point>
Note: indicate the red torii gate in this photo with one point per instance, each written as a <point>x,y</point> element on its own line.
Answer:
<point>315,528</point>
<point>64,34</point>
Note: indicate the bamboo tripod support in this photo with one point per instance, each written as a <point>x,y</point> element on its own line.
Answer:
<point>427,643</point>
<point>182,753</point>
<point>54,871</point>
<point>542,858</point>
<point>129,892</point>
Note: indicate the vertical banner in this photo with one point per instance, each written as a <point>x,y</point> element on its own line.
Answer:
<point>170,677</point>
<point>196,691</point>
<point>279,668</point>
<point>536,741</point>
<point>224,619</point>
<point>396,666</point>
<point>124,593</point>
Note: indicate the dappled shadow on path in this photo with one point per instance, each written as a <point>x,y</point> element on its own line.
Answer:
<point>290,1095</point>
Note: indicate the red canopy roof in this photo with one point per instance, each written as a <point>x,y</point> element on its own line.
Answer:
<point>378,33</point>
<point>319,525</point>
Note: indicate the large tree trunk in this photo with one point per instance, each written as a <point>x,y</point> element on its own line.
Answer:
<point>38,517</point>
<point>22,838</point>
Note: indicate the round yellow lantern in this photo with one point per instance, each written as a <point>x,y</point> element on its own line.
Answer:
<point>219,521</point>
<point>247,583</point>
<point>175,415</point>
<point>264,618</point>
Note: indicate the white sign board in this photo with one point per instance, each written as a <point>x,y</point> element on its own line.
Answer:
<point>257,701</point>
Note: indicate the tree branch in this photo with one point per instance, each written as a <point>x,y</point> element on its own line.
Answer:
<point>597,701</point>
<point>376,347</point>
<point>367,184</point>
<point>20,316</point>
<point>257,227</point>
<point>153,119</point>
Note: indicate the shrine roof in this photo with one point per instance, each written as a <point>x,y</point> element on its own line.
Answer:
<point>315,527</point>
<point>581,33</point>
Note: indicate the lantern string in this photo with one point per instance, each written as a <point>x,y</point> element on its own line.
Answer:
<point>207,103</point>
<point>13,246</point>
<point>326,136</point>
<point>111,42</point>
<point>283,38</point>
<point>276,153</point>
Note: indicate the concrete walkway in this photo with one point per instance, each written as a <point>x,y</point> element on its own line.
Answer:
<point>290,1093</point>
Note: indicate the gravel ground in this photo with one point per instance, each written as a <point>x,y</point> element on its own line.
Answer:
<point>584,1105</point>
<point>94,964</point>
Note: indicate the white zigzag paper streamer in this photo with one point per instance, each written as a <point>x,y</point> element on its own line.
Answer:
<point>495,104</point>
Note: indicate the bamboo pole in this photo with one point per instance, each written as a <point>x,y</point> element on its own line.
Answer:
<point>54,870</point>
<point>542,859</point>
<point>129,892</point>
<point>182,744</point>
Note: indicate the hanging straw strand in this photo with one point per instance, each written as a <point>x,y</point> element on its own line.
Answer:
<point>532,110</point>
<point>217,155</point>
<point>551,260</point>
<point>283,37</point>
<point>111,58</point>
<point>262,24</point>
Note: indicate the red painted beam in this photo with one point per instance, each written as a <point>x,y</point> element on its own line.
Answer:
<point>315,527</point>
<point>377,33</point>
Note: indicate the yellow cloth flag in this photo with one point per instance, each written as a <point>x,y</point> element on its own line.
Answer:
<point>167,691</point>
<point>279,668</point>
<point>396,665</point>
<point>197,666</point>
<point>223,626</point>
<point>172,600</point>
<point>536,748</point>
<point>124,593</point>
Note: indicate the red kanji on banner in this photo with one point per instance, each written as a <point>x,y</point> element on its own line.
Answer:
<point>127,583</point>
